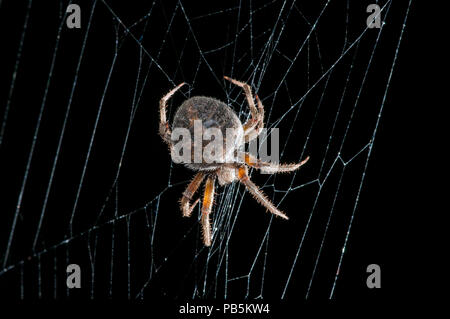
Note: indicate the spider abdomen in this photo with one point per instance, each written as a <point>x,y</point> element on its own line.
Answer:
<point>210,113</point>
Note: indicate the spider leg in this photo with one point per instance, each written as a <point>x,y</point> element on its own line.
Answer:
<point>252,132</point>
<point>208,199</point>
<point>185,201</point>
<point>271,168</point>
<point>257,193</point>
<point>164,129</point>
<point>257,116</point>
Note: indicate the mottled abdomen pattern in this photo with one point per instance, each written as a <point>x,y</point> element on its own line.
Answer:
<point>212,113</point>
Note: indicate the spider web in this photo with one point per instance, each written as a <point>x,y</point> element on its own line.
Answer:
<point>90,182</point>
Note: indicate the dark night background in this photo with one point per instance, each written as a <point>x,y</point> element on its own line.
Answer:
<point>380,233</point>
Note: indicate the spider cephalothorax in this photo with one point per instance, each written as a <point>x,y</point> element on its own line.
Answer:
<point>212,113</point>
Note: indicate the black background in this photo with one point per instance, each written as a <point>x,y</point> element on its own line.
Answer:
<point>380,232</point>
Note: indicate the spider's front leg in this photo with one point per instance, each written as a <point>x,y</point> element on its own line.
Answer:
<point>257,193</point>
<point>208,199</point>
<point>185,201</point>
<point>164,129</point>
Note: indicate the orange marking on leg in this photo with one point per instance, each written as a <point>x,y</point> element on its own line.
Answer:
<point>242,174</point>
<point>206,210</point>
<point>250,160</point>
<point>207,198</point>
<point>186,207</point>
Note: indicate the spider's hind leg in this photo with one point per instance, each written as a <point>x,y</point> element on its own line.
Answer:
<point>252,132</point>
<point>164,129</point>
<point>255,123</point>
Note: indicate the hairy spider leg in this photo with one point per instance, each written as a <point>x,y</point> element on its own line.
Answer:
<point>257,193</point>
<point>164,129</point>
<point>257,116</point>
<point>208,199</point>
<point>191,189</point>
<point>254,131</point>
<point>272,168</point>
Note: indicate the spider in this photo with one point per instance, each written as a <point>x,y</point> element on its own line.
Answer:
<point>215,113</point>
